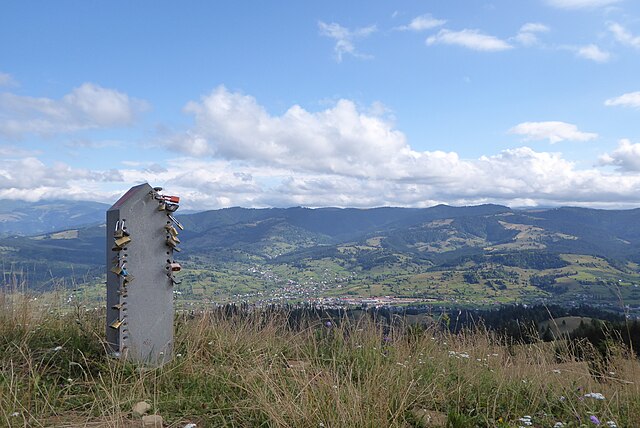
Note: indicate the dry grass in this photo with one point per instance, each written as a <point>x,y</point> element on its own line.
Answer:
<point>251,369</point>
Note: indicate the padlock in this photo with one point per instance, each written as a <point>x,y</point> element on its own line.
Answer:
<point>118,233</point>
<point>172,242</point>
<point>172,207</point>
<point>117,269</point>
<point>173,279</point>
<point>118,306</point>
<point>175,267</point>
<point>175,221</point>
<point>127,280</point>
<point>116,324</point>
<point>172,230</point>
<point>172,199</point>
<point>121,242</point>
<point>123,272</point>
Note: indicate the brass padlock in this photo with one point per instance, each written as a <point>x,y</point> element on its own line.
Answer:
<point>117,269</point>
<point>162,206</point>
<point>172,242</point>
<point>127,280</point>
<point>172,230</point>
<point>121,242</point>
<point>116,324</point>
<point>118,306</point>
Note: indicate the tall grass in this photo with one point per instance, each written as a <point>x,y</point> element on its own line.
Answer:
<point>252,369</point>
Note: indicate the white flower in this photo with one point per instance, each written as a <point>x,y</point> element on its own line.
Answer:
<point>57,348</point>
<point>556,371</point>
<point>15,414</point>
<point>190,426</point>
<point>558,425</point>
<point>611,424</point>
<point>594,395</point>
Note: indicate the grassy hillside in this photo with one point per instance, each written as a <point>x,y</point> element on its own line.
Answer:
<point>253,369</point>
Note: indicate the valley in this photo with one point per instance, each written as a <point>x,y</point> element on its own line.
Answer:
<point>479,256</point>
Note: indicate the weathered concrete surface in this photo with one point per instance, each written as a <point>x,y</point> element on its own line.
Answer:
<point>145,305</point>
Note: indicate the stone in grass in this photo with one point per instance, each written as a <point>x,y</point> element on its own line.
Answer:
<point>429,418</point>
<point>140,408</point>
<point>152,421</point>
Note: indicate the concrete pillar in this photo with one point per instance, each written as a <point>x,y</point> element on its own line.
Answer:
<point>139,263</point>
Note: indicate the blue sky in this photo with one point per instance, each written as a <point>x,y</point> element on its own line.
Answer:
<point>408,103</point>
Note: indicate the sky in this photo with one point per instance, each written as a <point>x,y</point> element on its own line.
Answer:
<point>329,103</point>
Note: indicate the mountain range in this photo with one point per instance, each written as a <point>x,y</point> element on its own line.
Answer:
<point>477,251</point>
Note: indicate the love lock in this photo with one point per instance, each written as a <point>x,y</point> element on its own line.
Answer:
<point>128,280</point>
<point>121,242</point>
<point>173,279</point>
<point>175,267</point>
<point>175,221</point>
<point>116,324</point>
<point>118,233</point>
<point>162,206</point>
<point>118,306</point>
<point>172,242</point>
<point>172,207</point>
<point>117,269</point>
<point>172,230</point>
<point>172,199</point>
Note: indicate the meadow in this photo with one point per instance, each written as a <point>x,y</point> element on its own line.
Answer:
<point>254,368</point>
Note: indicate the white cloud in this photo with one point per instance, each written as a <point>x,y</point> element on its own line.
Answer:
<point>30,179</point>
<point>528,34</point>
<point>85,107</point>
<point>345,37</point>
<point>553,131</point>
<point>581,4</point>
<point>423,22</point>
<point>234,126</point>
<point>630,99</point>
<point>626,156</point>
<point>471,39</point>
<point>6,79</point>
<point>623,36</point>
<point>344,156</point>
<point>593,53</point>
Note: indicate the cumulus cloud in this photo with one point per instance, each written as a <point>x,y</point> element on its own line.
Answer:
<point>630,99</point>
<point>349,156</point>
<point>553,131</point>
<point>470,39</point>
<point>345,38</point>
<point>626,156</point>
<point>31,179</point>
<point>581,4</point>
<point>85,107</point>
<point>528,34</point>
<point>234,126</point>
<point>422,23</point>
<point>622,35</point>
<point>593,53</point>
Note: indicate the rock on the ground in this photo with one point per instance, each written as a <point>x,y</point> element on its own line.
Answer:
<point>152,421</point>
<point>140,408</point>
